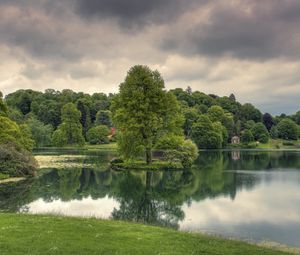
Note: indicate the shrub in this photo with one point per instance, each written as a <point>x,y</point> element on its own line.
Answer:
<point>186,153</point>
<point>15,161</point>
<point>288,143</point>
<point>98,135</point>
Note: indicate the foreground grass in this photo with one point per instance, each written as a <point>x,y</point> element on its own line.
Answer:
<point>29,234</point>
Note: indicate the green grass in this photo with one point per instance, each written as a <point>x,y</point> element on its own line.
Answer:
<point>110,146</point>
<point>29,234</point>
<point>273,144</point>
<point>279,144</point>
<point>156,165</point>
<point>3,176</point>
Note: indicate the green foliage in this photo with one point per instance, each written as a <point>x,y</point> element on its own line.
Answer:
<point>218,127</point>
<point>41,134</point>
<point>16,161</point>
<point>186,153</point>
<point>190,116</point>
<point>22,100</point>
<point>287,129</point>
<point>85,118</point>
<point>129,146</point>
<point>249,112</point>
<point>3,107</point>
<point>169,142</point>
<point>15,144</point>
<point>59,138</point>
<point>274,134</point>
<point>144,110</point>
<point>260,133</point>
<point>70,131</point>
<point>247,136</point>
<point>206,135</point>
<point>11,132</point>
<point>249,124</point>
<point>216,113</point>
<point>228,123</point>
<point>103,117</point>
<point>98,135</point>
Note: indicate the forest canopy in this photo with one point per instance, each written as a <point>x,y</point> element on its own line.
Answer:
<point>68,118</point>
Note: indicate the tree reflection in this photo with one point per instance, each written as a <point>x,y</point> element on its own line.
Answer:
<point>149,197</point>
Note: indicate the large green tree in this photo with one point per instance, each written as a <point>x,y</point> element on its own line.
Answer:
<point>144,111</point>
<point>260,132</point>
<point>70,131</point>
<point>206,134</point>
<point>40,132</point>
<point>98,135</point>
<point>85,118</point>
<point>15,146</point>
<point>287,129</point>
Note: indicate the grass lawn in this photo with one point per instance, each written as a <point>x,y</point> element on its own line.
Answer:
<point>29,234</point>
<point>280,144</point>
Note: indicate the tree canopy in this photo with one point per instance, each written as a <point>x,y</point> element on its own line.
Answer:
<point>144,110</point>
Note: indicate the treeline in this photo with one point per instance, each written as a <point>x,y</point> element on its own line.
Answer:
<point>212,121</point>
<point>63,118</point>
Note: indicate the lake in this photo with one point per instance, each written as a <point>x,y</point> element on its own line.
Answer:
<point>249,195</point>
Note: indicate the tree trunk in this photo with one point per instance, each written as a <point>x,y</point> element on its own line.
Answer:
<point>148,156</point>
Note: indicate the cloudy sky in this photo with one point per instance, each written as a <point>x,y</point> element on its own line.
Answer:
<point>247,47</point>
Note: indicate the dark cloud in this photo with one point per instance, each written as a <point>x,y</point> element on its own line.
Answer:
<point>253,46</point>
<point>135,13</point>
<point>250,29</point>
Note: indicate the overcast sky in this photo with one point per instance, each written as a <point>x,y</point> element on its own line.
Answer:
<point>247,47</point>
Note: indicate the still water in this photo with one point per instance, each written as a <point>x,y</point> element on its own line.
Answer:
<point>250,195</point>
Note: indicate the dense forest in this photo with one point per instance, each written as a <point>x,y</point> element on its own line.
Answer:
<point>59,118</point>
<point>142,117</point>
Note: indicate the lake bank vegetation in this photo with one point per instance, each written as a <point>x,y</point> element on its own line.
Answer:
<point>16,144</point>
<point>143,117</point>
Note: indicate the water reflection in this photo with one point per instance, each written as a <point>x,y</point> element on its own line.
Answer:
<point>252,195</point>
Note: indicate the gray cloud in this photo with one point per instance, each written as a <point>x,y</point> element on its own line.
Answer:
<point>242,29</point>
<point>249,47</point>
<point>135,13</point>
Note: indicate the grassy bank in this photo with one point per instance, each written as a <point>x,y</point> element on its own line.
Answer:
<point>273,144</point>
<point>29,234</point>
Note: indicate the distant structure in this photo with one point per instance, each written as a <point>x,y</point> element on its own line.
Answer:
<point>235,139</point>
<point>112,133</point>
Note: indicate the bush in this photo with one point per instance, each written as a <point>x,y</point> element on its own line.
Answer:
<point>169,142</point>
<point>98,135</point>
<point>288,143</point>
<point>15,161</point>
<point>186,153</point>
